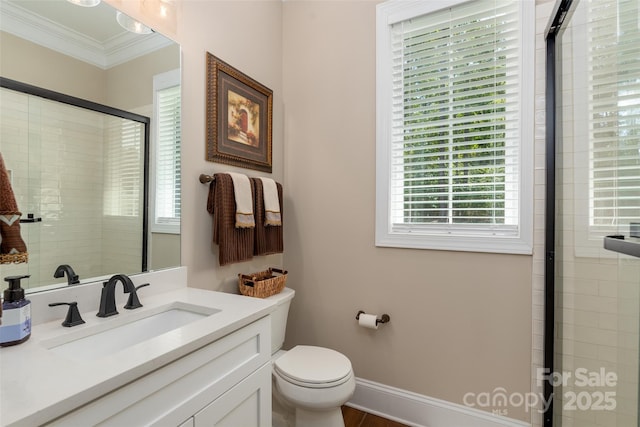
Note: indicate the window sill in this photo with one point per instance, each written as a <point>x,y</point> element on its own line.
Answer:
<point>630,246</point>
<point>165,229</point>
<point>485,244</point>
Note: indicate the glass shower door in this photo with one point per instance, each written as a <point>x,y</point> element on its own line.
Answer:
<point>81,174</point>
<point>597,195</point>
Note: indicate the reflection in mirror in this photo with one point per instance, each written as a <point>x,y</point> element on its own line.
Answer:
<point>79,175</point>
<point>80,170</point>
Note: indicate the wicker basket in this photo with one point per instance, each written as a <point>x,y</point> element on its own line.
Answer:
<point>262,284</point>
<point>14,258</point>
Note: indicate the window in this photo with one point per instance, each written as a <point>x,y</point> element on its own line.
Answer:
<point>604,137</point>
<point>455,125</point>
<point>123,166</point>
<point>166,197</point>
<point>614,115</point>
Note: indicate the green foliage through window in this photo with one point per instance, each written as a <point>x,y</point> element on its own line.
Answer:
<point>455,99</point>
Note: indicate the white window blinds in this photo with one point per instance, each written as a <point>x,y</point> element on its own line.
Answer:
<point>614,111</point>
<point>455,150</point>
<point>123,167</point>
<point>167,153</point>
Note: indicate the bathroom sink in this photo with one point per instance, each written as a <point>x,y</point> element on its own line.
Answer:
<point>125,331</point>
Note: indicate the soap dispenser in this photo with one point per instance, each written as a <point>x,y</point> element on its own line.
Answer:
<point>16,314</point>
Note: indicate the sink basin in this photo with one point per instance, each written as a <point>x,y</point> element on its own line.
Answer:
<point>125,331</point>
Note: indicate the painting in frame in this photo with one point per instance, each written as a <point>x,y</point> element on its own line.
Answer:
<point>239,118</point>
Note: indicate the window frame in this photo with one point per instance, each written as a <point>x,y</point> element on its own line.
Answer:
<point>160,81</point>
<point>423,237</point>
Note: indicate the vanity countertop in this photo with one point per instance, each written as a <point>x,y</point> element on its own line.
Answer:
<point>38,385</point>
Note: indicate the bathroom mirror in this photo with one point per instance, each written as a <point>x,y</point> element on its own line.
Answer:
<point>80,172</point>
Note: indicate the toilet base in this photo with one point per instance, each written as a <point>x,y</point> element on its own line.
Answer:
<point>285,415</point>
<point>329,418</point>
<point>280,420</point>
<point>282,415</point>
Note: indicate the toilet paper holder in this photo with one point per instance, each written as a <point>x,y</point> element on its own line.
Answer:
<point>385,318</point>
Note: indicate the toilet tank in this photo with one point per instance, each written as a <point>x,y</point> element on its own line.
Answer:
<point>279,317</point>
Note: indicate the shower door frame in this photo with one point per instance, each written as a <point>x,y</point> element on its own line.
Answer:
<point>104,109</point>
<point>561,11</point>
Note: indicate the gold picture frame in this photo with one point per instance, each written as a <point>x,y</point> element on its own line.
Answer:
<point>239,118</point>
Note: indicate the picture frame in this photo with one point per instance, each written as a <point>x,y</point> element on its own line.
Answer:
<point>239,118</point>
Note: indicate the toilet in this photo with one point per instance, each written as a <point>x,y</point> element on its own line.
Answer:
<point>310,383</point>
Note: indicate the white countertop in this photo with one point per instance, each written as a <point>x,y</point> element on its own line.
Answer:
<point>38,385</point>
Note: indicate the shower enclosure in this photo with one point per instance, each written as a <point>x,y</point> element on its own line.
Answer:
<point>593,293</point>
<point>78,170</point>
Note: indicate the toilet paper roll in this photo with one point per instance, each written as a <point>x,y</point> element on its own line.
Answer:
<point>368,321</point>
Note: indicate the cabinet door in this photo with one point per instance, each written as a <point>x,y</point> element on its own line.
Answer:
<point>248,404</point>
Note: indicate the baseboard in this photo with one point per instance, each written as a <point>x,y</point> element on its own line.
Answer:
<point>421,411</point>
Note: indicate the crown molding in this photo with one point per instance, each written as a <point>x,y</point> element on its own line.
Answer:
<point>44,32</point>
<point>128,46</point>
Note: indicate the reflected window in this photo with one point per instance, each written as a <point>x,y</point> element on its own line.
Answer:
<point>613,90</point>
<point>167,152</point>
<point>123,164</point>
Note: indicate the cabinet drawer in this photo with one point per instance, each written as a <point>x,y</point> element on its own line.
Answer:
<point>248,404</point>
<point>173,393</point>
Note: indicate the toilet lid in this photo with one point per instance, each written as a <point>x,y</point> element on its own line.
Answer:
<point>313,365</point>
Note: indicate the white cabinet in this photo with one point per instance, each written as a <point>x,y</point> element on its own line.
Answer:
<point>247,404</point>
<point>227,382</point>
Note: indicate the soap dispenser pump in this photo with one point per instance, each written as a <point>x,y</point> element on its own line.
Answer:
<point>16,314</point>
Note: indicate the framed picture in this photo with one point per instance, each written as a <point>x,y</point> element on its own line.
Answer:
<point>239,118</point>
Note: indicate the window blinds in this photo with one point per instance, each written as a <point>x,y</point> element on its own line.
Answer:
<point>123,165</point>
<point>167,202</point>
<point>614,112</point>
<point>455,126</point>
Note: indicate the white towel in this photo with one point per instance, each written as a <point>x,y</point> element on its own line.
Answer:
<point>244,201</point>
<point>271,202</point>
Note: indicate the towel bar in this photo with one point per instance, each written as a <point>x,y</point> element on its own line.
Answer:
<point>206,178</point>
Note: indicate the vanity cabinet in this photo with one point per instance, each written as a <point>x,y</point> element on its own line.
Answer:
<point>225,383</point>
<point>247,404</point>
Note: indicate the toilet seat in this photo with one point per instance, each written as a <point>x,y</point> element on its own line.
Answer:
<point>313,367</point>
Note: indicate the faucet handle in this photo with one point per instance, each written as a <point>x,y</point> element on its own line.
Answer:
<point>133,301</point>
<point>73,315</point>
<point>107,301</point>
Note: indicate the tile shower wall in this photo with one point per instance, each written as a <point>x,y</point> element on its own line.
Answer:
<point>57,172</point>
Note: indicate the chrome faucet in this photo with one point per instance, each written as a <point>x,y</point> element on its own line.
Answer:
<point>108,296</point>
<point>72,277</point>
